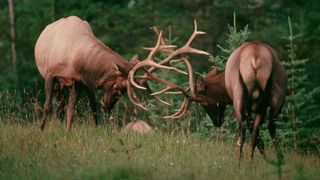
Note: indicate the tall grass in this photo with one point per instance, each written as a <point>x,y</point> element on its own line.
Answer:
<point>188,148</point>
<point>99,153</point>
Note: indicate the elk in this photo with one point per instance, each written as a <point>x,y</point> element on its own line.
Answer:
<point>211,93</point>
<point>68,55</point>
<point>253,81</point>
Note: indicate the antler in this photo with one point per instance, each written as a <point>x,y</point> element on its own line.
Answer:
<point>149,62</point>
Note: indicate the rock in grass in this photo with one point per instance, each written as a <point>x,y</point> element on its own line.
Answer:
<point>138,126</point>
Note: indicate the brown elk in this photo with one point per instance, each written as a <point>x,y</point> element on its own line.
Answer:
<point>253,81</point>
<point>69,55</point>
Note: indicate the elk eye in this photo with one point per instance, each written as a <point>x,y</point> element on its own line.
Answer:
<point>218,104</point>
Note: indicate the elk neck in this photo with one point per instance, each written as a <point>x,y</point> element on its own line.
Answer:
<point>216,87</point>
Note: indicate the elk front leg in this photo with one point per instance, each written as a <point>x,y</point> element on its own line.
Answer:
<point>93,103</point>
<point>61,103</point>
<point>48,88</point>
<point>112,101</point>
<point>71,105</point>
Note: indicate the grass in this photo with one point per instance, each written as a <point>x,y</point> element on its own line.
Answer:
<point>106,153</point>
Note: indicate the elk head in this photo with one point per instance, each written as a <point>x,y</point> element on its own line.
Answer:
<point>210,92</point>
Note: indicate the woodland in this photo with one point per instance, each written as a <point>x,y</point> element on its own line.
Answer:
<point>290,27</point>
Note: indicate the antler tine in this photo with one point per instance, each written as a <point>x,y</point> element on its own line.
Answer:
<point>186,48</point>
<point>157,98</point>
<point>163,47</point>
<point>181,111</point>
<point>132,98</point>
<point>164,64</point>
<point>168,87</point>
<point>156,48</point>
<point>195,33</point>
<point>188,64</point>
<point>152,64</point>
<point>156,30</point>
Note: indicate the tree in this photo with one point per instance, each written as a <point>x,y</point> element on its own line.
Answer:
<point>13,41</point>
<point>299,126</point>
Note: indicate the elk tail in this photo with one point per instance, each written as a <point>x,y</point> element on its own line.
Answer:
<point>254,62</point>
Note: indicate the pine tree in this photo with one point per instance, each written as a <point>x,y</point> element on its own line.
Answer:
<point>299,117</point>
<point>234,40</point>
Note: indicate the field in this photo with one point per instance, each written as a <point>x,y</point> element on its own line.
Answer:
<point>108,153</point>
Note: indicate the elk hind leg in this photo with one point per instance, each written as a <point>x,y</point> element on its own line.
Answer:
<point>255,132</point>
<point>276,104</point>
<point>260,143</point>
<point>240,114</point>
<point>272,132</point>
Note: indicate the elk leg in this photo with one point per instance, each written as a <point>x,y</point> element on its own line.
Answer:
<point>260,143</point>
<point>48,88</point>
<point>112,101</point>
<point>71,105</point>
<point>239,111</point>
<point>272,132</point>
<point>276,104</point>
<point>255,133</point>
<point>61,103</point>
<point>93,103</point>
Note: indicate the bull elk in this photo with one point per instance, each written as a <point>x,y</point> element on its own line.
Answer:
<point>68,55</point>
<point>253,81</point>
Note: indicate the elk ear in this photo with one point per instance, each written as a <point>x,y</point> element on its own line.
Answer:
<point>213,72</point>
<point>199,83</point>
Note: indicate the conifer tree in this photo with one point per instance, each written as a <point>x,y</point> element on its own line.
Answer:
<point>298,116</point>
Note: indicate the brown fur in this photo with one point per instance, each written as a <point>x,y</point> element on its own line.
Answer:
<point>254,80</point>
<point>68,55</point>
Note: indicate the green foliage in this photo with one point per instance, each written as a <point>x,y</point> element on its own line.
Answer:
<point>234,40</point>
<point>300,122</point>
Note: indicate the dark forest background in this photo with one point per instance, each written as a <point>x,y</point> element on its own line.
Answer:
<point>123,25</point>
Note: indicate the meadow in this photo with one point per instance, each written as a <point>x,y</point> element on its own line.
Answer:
<point>108,153</point>
<point>187,148</point>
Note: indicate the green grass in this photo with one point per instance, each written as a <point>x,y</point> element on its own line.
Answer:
<point>106,153</point>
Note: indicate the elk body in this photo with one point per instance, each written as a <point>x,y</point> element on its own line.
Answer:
<point>68,55</point>
<point>253,81</point>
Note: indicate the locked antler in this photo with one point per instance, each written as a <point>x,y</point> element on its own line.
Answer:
<point>164,64</point>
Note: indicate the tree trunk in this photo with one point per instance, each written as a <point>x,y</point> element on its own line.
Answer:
<point>53,10</point>
<point>13,41</point>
